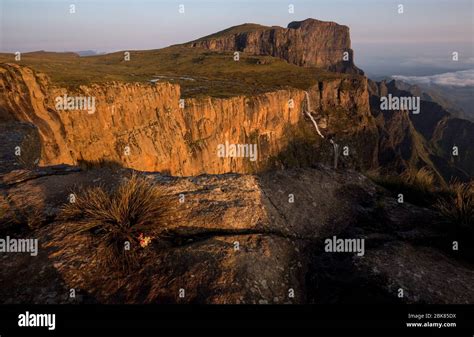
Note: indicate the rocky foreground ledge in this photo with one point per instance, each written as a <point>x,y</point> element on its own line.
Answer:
<point>239,239</point>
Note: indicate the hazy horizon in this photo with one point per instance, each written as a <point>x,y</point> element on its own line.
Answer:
<point>418,42</point>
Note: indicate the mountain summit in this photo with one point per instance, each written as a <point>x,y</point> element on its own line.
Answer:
<point>305,43</point>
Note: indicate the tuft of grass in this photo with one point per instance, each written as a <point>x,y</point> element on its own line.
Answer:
<point>129,216</point>
<point>457,207</point>
<point>422,180</point>
<point>417,186</point>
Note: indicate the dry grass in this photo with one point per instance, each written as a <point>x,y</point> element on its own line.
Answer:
<point>422,179</point>
<point>454,202</point>
<point>457,207</point>
<point>33,217</point>
<point>214,74</point>
<point>136,208</point>
<point>417,186</point>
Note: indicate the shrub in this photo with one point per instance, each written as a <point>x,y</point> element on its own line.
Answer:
<point>134,212</point>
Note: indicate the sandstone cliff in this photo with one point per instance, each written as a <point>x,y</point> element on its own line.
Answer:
<point>142,126</point>
<point>305,43</point>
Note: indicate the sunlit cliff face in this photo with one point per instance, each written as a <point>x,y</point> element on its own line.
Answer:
<point>149,127</point>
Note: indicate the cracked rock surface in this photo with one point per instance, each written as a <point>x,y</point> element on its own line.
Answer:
<point>255,239</point>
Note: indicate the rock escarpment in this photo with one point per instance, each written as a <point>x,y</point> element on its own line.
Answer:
<point>304,43</point>
<point>143,126</point>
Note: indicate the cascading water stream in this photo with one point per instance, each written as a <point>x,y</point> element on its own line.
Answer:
<point>336,152</point>
<point>308,112</point>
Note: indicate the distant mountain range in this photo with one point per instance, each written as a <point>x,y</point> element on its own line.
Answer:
<point>89,53</point>
<point>453,93</point>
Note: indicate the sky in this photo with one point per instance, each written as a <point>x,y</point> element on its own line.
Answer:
<point>418,42</point>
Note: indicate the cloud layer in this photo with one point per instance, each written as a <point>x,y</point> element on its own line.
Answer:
<point>463,78</point>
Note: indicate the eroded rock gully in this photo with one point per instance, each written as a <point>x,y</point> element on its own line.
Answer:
<point>280,243</point>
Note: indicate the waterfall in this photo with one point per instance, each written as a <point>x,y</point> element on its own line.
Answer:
<point>308,113</point>
<point>336,152</point>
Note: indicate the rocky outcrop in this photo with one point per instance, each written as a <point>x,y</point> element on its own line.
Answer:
<point>304,43</point>
<point>142,126</point>
<point>238,239</point>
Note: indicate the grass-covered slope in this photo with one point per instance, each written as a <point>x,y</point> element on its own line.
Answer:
<point>198,71</point>
<point>244,28</point>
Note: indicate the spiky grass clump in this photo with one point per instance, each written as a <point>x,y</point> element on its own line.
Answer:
<point>421,180</point>
<point>457,207</point>
<point>417,186</point>
<point>127,216</point>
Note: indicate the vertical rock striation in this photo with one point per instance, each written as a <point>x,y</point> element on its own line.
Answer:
<point>161,136</point>
<point>304,43</point>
